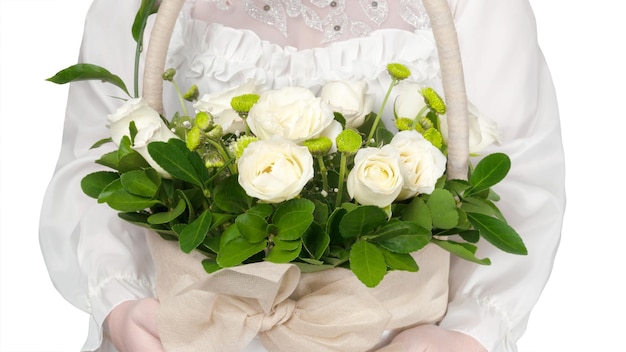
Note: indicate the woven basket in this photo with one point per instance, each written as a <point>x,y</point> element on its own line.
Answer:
<point>287,310</point>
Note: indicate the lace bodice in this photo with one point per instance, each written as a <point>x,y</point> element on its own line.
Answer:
<point>310,23</point>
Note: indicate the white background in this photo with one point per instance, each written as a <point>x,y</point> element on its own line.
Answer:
<point>583,306</point>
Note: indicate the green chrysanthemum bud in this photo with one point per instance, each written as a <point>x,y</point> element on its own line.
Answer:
<point>433,100</point>
<point>169,74</point>
<point>425,123</point>
<point>318,146</point>
<point>241,144</point>
<point>194,138</point>
<point>192,94</point>
<point>434,136</point>
<point>398,71</point>
<point>349,141</point>
<point>203,120</point>
<point>213,159</point>
<point>243,103</point>
<point>216,133</point>
<point>404,124</point>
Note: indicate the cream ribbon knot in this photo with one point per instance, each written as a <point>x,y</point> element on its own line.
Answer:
<point>226,310</point>
<point>327,311</point>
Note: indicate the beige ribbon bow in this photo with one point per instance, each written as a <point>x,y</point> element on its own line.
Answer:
<point>314,312</point>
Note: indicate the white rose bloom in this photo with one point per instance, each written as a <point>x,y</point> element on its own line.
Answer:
<point>409,101</point>
<point>150,128</point>
<point>422,164</point>
<point>274,170</point>
<point>483,131</point>
<point>218,105</point>
<point>293,113</point>
<point>376,178</point>
<point>350,99</point>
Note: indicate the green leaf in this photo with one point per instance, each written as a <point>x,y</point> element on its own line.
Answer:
<point>110,159</point>
<point>252,227</point>
<point>210,266</point>
<point>456,187</point>
<point>231,197</point>
<point>119,199</point>
<point>143,183</point>
<point>418,212</point>
<point>139,219</point>
<point>367,263</point>
<point>466,251</point>
<point>332,226</point>
<point>443,209</point>
<point>237,250</point>
<point>316,241</point>
<point>94,183</point>
<point>220,219</point>
<point>229,234</point>
<point>293,218</point>
<point>481,206</point>
<point>128,158</point>
<point>402,237</point>
<point>383,136</point>
<point>498,233</point>
<point>321,212</point>
<point>212,243</point>
<point>174,157</point>
<point>132,127</point>
<point>148,7</point>
<point>472,236</point>
<point>283,255</point>
<point>287,245</point>
<point>168,216</point>
<point>194,233</point>
<point>101,143</point>
<point>399,261</point>
<point>87,72</point>
<point>362,221</point>
<point>262,209</point>
<point>489,171</point>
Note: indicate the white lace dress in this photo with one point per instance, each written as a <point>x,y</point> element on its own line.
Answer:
<point>97,261</point>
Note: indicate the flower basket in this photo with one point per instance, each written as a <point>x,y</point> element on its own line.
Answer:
<point>329,310</point>
<point>322,257</point>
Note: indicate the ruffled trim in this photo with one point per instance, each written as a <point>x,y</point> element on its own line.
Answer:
<point>218,57</point>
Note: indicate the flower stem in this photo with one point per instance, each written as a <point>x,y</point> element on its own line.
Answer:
<point>393,83</point>
<point>180,98</point>
<point>323,171</point>
<point>224,154</point>
<point>342,176</point>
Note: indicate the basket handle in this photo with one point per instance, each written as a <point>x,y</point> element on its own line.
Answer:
<point>449,57</point>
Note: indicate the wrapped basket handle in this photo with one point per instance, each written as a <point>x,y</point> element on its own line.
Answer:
<point>449,58</point>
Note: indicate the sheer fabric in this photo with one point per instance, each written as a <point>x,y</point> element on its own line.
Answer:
<point>97,261</point>
<point>308,23</point>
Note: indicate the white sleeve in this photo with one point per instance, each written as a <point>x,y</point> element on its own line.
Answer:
<point>508,80</point>
<point>95,259</point>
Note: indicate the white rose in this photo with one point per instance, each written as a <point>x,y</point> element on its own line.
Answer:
<point>422,164</point>
<point>483,131</point>
<point>218,105</point>
<point>409,101</point>
<point>294,113</point>
<point>376,178</point>
<point>274,170</point>
<point>150,128</point>
<point>350,99</point>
